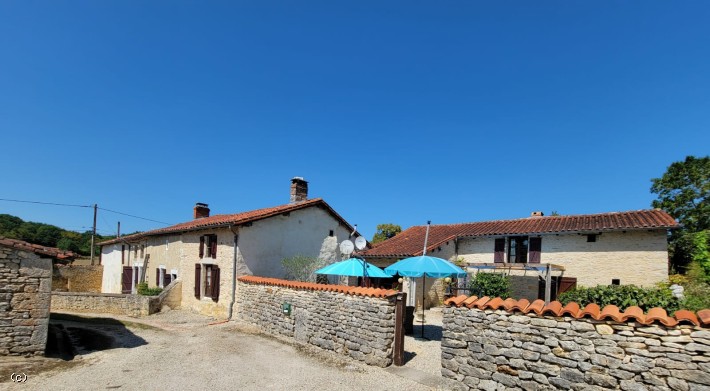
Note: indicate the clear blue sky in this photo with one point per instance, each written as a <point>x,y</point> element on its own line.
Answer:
<point>394,112</point>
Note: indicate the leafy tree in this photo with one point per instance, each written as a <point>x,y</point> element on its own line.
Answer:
<point>384,232</point>
<point>684,192</point>
<point>301,268</point>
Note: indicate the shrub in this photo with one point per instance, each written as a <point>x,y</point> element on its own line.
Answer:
<point>623,296</point>
<point>301,268</point>
<point>490,284</point>
<point>143,289</point>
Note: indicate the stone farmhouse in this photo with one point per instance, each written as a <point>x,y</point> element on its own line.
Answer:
<point>586,250</point>
<point>208,253</point>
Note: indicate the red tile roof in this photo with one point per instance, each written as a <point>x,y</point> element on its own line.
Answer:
<point>350,290</point>
<point>217,221</point>
<point>609,312</point>
<point>410,242</point>
<point>62,255</point>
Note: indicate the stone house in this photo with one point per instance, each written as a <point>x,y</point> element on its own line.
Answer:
<point>25,295</point>
<point>606,248</point>
<point>208,252</point>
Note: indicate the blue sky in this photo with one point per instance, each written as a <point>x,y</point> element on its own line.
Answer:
<point>395,112</point>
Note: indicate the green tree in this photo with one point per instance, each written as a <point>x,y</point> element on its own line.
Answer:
<point>684,190</point>
<point>301,268</point>
<point>384,232</point>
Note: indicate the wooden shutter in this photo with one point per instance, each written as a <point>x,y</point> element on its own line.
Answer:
<point>167,279</point>
<point>535,249</point>
<point>157,276</point>
<point>197,280</point>
<point>213,246</point>
<point>202,246</point>
<point>123,254</point>
<point>499,250</point>
<point>215,283</point>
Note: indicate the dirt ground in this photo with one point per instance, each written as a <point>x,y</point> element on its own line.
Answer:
<point>183,351</point>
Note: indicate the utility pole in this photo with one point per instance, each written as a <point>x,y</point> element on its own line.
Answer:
<point>93,235</point>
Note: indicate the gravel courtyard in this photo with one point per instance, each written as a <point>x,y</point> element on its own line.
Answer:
<point>183,351</point>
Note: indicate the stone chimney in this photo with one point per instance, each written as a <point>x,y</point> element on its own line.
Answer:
<point>537,213</point>
<point>299,190</point>
<point>201,210</point>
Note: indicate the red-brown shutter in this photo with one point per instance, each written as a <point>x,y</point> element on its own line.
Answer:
<point>535,249</point>
<point>202,246</point>
<point>499,250</point>
<point>167,279</point>
<point>197,280</point>
<point>157,276</point>
<point>213,246</point>
<point>215,283</point>
<point>123,254</point>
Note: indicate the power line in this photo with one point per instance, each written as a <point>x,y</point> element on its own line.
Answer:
<point>47,203</point>
<point>137,217</point>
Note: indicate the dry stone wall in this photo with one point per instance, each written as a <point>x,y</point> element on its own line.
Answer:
<point>77,278</point>
<point>498,350</point>
<point>359,327</point>
<point>25,289</point>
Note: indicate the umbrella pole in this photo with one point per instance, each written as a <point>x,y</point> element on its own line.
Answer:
<point>423,287</point>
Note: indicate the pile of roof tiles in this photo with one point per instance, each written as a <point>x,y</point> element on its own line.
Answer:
<point>350,290</point>
<point>609,312</point>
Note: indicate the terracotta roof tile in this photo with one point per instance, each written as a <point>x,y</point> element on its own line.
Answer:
<point>704,316</point>
<point>351,290</point>
<point>609,312</point>
<point>409,242</point>
<point>52,252</point>
<point>225,220</point>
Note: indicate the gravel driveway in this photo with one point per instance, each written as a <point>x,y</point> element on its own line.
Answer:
<point>180,350</point>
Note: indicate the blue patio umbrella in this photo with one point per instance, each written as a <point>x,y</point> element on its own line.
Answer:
<point>353,267</point>
<point>423,266</point>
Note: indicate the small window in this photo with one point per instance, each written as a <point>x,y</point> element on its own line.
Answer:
<point>591,238</point>
<point>331,233</point>
<point>615,281</point>
<point>208,246</point>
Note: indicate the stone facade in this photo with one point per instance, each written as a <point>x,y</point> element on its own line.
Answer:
<point>120,304</point>
<point>358,327</point>
<point>498,350</point>
<point>25,289</point>
<point>77,278</point>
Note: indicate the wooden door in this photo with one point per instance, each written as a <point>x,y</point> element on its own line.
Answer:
<point>127,279</point>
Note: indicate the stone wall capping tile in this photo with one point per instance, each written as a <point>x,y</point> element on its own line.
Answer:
<point>470,301</point>
<point>509,304</point>
<point>521,306</point>
<point>356,291</point>
<point>536,306</point>
<point>659,314</point>
<point>554,308</point>
<point>687,316</point>
<point>456,301</point>
<point>572,309</point>
<point>480,302</point>
<point>592,310</point>
<point>493,304</point>
<point>704,316</point>
<point>611,311</point>
<point>634,312</point>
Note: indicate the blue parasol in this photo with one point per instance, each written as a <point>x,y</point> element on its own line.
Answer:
<point>353,267</point>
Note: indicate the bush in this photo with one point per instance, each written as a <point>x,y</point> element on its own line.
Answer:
<point>143,289</point>
<point>301,268</point>
<point>623,296</point>
<point>490,284</point>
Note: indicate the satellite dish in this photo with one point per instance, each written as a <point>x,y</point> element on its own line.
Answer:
<point>360,243</point>
<point>346,247</point>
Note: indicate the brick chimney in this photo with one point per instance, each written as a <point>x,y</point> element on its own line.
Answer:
<point>299,190</point>
<point>537,213</point>
<point>201,210</point>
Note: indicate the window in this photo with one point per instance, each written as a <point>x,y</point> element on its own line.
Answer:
<point>123,254</point>
<point>591,238</point>
<point>162,279</point>
<point>207,281</point>
<point>331,233</point>
<point>518,249</point>
<point>208,246</point>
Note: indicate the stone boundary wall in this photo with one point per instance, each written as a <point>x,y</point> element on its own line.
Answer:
<point>111,303</point>
<point>77,278</point>
<point>25,285</point>
<point>490,349</point>
<point>353,322</point>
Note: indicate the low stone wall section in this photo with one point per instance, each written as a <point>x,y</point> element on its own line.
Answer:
<point>354,322</point>
<point>25,284</point>
<point>497,349</point>
<point>77,278</point>
<point>119,304</point>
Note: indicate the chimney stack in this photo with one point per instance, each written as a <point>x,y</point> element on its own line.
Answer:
<point>201,210</point>
<point>537,213</point>
<point>299,190</point>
